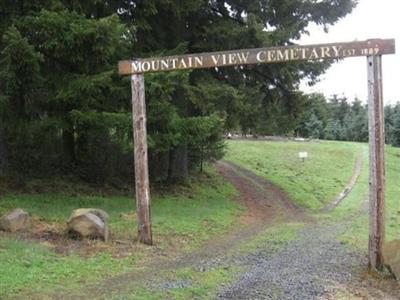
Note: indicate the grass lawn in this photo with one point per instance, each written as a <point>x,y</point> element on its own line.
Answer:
<point>196,212</point>
<point>322,177</point>
<point>311,184</point>
<point>355,205</point>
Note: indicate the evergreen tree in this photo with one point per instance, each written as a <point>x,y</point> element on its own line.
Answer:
<point>314,127</point>
<point>395,131</point>
<point>74,111</point>
<point>333,130</point>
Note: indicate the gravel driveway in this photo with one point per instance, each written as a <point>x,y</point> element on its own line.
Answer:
<point>303,270</point>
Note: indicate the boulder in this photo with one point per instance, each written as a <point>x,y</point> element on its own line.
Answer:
<point>98,212</point>
<point>89,223</point>
<point>14,221</point>
<point>391,257</point>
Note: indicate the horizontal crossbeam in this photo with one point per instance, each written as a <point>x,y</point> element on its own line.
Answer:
<point>257,56</point>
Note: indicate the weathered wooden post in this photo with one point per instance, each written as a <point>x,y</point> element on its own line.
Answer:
<point>376,162</point>
<point>141,159</point>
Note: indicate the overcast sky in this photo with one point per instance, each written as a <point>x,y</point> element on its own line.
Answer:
<point>370,19</point>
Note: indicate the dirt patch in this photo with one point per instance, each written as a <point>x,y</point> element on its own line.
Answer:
<point>366,285</point>
<point>265,202</point>
<point>54,236</point>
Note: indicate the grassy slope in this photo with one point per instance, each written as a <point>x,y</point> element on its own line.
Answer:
<point>311,184</point>
<point>392,193</point>
<point>197,212</point>
<point>357,233</point>
<point>322,177</point>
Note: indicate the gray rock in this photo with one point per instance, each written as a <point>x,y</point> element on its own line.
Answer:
<point>391,257</point>
<point>14,221</point>
<point>98,212</point>
<point>89,223</point>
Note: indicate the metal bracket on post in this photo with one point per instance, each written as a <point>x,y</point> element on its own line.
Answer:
<point>376,162</point>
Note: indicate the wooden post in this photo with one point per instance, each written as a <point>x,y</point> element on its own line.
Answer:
<point>141,160</point>
<point>376,163</point>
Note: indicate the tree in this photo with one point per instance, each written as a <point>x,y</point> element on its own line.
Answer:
<point>356,122</point>
<point>78,118</point>
<point>333,130</point>
<point>232,24</point>
<point>314,127</point>
<point>315,107</point>
<point>395,130</point>
<point>19,79</point>
<point>58,70</point>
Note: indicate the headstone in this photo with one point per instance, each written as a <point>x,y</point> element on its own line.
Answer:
<point>89,223</point>
<point>14,221</point>
<point>391,257</point>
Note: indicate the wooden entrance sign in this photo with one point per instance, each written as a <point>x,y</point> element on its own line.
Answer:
<point>373,49</point>
<point>256,56</point>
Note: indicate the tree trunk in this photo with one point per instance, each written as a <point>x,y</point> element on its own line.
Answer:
<point>159,166</point>
<point>3,153</point>
<point>69,147</point>
<point>178,164</point>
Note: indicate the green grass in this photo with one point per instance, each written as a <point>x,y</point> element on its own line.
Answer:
<point>37,270</point>
<point>392,193</point>
<point>273,238</point>
<point>196,212</point>
<point>203,208</point>
<point>200,285</point>
<point>322,177</point>
<point>357,232</point>
<point>311,184</point>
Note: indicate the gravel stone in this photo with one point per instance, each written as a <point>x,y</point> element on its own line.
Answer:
<point>302,270</point>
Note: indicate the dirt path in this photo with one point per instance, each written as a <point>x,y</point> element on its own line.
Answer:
<point>314,266</point>
<point>266,205</point>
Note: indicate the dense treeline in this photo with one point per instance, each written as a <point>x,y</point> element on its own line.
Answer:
<point>64,111</point>
<point>337,118</point>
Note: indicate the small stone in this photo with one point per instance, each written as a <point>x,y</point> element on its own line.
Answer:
<point>89,223</point>
<point>14,221</point>
<point>391,257</point>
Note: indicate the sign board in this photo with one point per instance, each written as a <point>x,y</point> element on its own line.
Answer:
<point>303,155</point>
<point>257,56</point>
